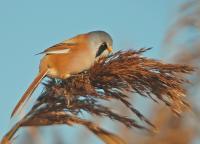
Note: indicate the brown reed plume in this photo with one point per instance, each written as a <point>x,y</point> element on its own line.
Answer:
<point>185,49</point>
<point>62,101</point>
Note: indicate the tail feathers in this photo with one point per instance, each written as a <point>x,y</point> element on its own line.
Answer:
<point>29,91</point>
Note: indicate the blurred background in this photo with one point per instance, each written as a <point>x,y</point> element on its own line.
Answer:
<point>171,27</point>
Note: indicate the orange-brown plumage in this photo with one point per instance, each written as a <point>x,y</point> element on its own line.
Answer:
<point>69,57</point>
<point>62,65</point>
<point>30,90</point>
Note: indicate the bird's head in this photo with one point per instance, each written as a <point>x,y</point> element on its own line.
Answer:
<point>100,43</point>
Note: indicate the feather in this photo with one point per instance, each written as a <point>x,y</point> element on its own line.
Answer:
<point>63,51</point>
<point>61,48</point>
<point>29,91</point>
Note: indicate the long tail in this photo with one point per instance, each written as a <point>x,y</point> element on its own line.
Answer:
<point>29,91</point>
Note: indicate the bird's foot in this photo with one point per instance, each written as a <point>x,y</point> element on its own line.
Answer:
<point>68,102</point>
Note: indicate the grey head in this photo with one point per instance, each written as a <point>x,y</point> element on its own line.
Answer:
<point>100,43</point>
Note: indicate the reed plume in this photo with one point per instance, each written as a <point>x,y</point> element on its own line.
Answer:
<point>62,101</point>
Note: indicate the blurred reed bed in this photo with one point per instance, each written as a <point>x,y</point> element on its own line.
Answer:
<point>187,25</point>
<point>113,78</point>
<point>173,130</point>
<point>181,45</point>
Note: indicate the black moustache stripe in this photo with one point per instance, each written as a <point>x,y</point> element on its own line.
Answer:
<point>101,49</point>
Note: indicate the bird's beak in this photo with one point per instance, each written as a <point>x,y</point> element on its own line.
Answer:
<point>109,49</point>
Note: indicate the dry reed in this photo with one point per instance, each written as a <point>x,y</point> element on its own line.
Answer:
<point>62,101</point>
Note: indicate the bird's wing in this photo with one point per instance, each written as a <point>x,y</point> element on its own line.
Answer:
<point>61,48</point>
<point>29,91</point>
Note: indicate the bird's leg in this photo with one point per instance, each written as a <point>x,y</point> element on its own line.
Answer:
<point>68,103</point>
<point>83,74</point>
<point>67,99</point>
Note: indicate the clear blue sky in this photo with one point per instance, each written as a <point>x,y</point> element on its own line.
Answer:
<point>28,27</point>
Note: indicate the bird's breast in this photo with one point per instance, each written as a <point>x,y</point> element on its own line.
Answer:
<point>63,65</point>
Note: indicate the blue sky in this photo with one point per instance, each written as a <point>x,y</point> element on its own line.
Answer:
<point>28,27</point>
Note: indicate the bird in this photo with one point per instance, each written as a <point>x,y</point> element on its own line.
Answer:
<point>69,57</point>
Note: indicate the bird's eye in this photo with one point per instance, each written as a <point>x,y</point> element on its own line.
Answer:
<point>101,49</point>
